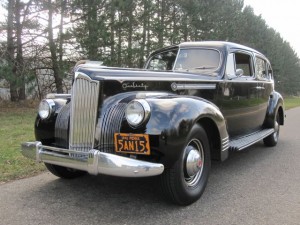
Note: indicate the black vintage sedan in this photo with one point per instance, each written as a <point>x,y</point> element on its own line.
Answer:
<point>192,103</point>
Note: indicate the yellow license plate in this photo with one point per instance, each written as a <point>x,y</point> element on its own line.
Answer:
<point>132,143</point>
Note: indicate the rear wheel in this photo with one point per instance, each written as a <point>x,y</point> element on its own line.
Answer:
<point>186,180</point>
<point>272,139</point>
<point>64,172</point>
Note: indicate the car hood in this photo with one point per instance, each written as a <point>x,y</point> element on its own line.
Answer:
<point>122,74</point>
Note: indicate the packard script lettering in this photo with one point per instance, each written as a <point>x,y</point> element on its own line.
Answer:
<point>134,85</point>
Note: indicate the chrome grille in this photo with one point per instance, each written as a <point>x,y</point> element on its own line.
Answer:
<point>110,123</point>
<point>85,97</point>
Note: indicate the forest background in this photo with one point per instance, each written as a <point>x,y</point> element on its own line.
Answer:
<point>41,40</point>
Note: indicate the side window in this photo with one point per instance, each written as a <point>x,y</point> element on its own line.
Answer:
<point>157,64</point>
<point>243,64</point>
<point>260,69</point>
<point>239,64</point>
<point>163,60</point>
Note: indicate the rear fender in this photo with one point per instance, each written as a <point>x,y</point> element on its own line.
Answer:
<point>275,105</point>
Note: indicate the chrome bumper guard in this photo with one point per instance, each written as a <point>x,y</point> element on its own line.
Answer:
<point>94,161</point>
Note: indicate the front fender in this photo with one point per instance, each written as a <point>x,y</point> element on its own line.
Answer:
<point>173,117</point>
<point>45,129</point>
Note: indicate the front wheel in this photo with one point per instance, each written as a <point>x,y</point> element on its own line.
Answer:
<point>185,181</point>
<point>64,172</point>
<point>272,139</point>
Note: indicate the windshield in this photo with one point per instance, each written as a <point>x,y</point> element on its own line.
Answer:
<point>197,59</point>
<point>191,59</point>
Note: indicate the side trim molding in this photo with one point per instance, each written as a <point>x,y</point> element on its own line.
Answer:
<point>176,86</point>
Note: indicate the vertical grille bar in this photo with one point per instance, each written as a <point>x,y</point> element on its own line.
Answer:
<point>85,96</point>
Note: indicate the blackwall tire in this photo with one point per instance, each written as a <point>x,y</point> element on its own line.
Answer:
<point>272,139</point>
<point>185,181</point>
<point>64,172</point>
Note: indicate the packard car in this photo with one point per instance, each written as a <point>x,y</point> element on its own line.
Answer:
<point>190,104</point>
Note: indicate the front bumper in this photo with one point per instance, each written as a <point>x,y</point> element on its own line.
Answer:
<point>94,161</point>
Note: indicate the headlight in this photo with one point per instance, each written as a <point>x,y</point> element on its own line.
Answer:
<point>46,108</point>
<point>137,112</point>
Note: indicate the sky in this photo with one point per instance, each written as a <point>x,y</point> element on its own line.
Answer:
<point>283,16</point>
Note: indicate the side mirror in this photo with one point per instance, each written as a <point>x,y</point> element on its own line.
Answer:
<point>239,72</point>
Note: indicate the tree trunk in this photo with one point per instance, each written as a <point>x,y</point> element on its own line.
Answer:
<point>142,50</point>
<point>112,34</point>
<point>60,34</point>
<point>130,29</point>
<point>175,28</point>
<point>19,57</point>
<point>161,25</point>
<point>10,57</point>
<point>185,28</point>
<point>92,30</point>
<point>148,36</point>
<point>52,46</point>
<point>119,59</point>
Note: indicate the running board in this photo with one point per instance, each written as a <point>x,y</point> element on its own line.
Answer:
<point>241,143</point>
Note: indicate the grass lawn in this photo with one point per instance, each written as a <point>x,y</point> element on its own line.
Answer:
<point>291,102</point>
<point>16,126</point>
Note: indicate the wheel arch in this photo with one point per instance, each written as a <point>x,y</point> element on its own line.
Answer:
<point>213,136</point>
<point>281,115</point>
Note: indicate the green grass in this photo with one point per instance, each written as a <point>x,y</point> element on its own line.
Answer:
<point>16,126</point>
<point>291,102</point>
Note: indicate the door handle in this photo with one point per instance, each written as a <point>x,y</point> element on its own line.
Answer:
<point>259,88</point>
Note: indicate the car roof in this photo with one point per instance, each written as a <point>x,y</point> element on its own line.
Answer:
<point>224,45</point>
<point>217,44</point>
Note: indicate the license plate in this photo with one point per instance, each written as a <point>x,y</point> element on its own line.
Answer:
<point>132,143</point>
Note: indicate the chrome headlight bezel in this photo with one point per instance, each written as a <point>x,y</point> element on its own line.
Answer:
<point>137,112</point>
<point>46,108</point>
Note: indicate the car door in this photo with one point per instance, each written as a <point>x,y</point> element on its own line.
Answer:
<point>265,85</point>
<point>240,105</point>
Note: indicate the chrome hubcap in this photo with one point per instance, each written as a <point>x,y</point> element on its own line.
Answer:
<point>193,162</point>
